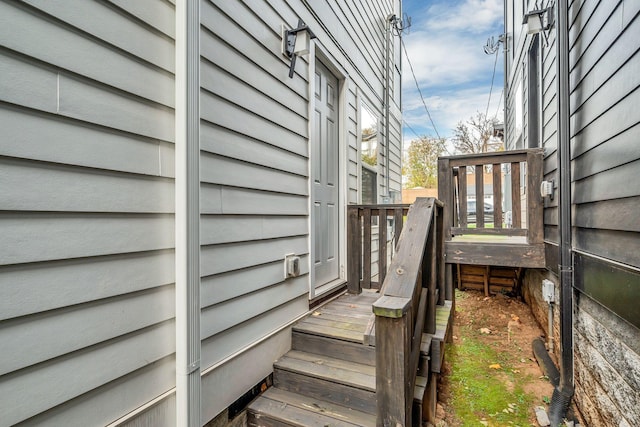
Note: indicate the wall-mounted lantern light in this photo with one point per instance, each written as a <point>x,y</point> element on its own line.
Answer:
<point>296,42</point>
<point>538,20</point>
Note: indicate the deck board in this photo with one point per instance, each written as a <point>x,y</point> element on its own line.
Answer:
<point>339,317</point>
<point>352,374</point>
<point>327,331</point>
<point>277,407</point>
<point>338,324</point>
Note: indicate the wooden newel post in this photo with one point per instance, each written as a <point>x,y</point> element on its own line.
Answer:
<point>354,250</point>
<point>394,380</point>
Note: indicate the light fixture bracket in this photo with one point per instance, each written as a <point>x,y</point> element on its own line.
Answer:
<point>292,46</point>
<point>535,20</point>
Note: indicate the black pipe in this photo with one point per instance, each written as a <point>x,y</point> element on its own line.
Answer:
<point>562,395</point>
<point>545,362</point>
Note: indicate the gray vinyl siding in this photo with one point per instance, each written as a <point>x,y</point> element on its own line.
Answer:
<point>254,130</point>
<point>86,184</point>
<point>255,170</point>
<point>604,124</point>
<point>87,270</point>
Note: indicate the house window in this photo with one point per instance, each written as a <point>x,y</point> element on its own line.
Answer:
<point>369,184</point>
<point>534,98</point>
<point>517,127</point>
<point>369,134</point>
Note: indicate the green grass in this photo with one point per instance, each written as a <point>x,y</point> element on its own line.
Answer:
<point>479,393</point>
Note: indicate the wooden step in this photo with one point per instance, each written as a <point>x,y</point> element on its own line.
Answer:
<point>349,351</point>
<point>327,378</point>
<point>277,407</point>
<point>344,328</point>
<point>443,329</point>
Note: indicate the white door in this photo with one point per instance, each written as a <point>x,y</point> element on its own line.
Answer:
<point>325,174</point>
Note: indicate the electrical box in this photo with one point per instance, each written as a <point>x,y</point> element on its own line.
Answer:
<point>546,189</point>
<point>548,291</point>
<point>291,266</point>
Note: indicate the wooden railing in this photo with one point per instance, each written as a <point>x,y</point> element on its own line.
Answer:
<point>453,177</point>
<point>364,222</point>
<point>407,308</point>
<point>515,178</point>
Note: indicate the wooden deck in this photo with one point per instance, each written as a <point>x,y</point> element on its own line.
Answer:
<point>329,376</point>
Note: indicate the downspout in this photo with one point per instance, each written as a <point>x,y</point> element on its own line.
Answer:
<point>387,98</point>
<point>562,395</point>
<point>187,213</point>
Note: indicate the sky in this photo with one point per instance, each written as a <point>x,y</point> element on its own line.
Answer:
<point>445,47</point>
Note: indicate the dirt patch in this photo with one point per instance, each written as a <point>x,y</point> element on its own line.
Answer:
<point>492,344</point>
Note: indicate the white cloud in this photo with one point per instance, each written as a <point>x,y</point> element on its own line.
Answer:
<point>473,16</point>
<point>448,109</point>
<point>443,59</point>
<point>445,47</point>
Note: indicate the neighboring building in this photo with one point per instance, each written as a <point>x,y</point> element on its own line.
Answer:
<point>88,295</point>
<point>604,126</point>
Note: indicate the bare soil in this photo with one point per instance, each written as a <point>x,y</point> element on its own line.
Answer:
<point>507,325</point>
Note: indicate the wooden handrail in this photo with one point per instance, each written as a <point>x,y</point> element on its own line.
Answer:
<point>406,309</point>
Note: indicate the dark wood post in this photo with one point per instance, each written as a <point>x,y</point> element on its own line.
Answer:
<point>382,245</point>
<point>497,195</point>
<point>516,209</point>
<point>366,248</point>
<point>445,194</point>
<point>354,248</point>
<point>394,389</point>
<point>535,206</point>
<point>479,196</point>
<point>462,198</point>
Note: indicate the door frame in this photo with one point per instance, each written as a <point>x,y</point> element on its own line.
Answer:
<point>318,52</point>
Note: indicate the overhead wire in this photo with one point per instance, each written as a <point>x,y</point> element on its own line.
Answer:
<point>406,54</point>
<point>410,128</point>
<point>492,80</point>
<point>499,103</point>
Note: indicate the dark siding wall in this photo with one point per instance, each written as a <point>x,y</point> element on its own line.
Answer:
<point>605,128</point>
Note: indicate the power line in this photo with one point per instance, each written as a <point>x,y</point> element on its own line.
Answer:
<point>406,54</point>
<point>410,128</point>
<point>491,90</point>
<point>499,102</point>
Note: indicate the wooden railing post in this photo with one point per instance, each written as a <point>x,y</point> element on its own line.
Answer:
<point>445,194</point>
<point>354,250</point>
<point>394,387</point>
<point>535,206</point>
<point>382,244</point>
<point>479,169</point>
<point>462,195</point>
<point>366,248</point>
<point>497,195</point>
<point>516,209</point>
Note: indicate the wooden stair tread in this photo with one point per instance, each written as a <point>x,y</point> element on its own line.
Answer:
<point>338,324</point>
<point>338,317</point>
<point>443,314</point>
<point>328,331</point>
<point>356,375</point>
<point>363,307</point>
<point>425,344</point>
<point>366,295</point>
<point>340,311</point>
<point>344,350</point>
<point>294,409</point>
